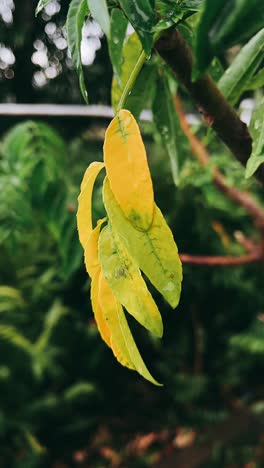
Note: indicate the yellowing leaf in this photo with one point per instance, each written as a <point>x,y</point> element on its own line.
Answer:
<point>154,250</point>
<point>126,282</point>
<point>122,342</point>
<point>91,250</point>
<point>98,314</point>
<point>84,213</point>
<point>128,171</point>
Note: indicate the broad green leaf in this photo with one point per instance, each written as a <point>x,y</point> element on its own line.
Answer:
<point>122,342</point>
<point>235,79</point>
<point>91,250</point>
<point>127,169</point>
<point>154,251</point>
<point>118,27</point>
<point>130,55</point>
<point>223,24</point>
<point>99,11</point>
<point>257,132</point>
<point>166,120</point>
<point>126,282</point>
<point>77,12</point>
<point>84,213</point>
<point>142,17</point>
<point>41,5</point>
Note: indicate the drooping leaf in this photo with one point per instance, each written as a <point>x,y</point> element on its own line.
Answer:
<point>91,250</point>
<point>127,169</point>
<point>77,12</point>
<point>257,132</point>
<point>236,78</point>
<point>84,213</point>
<point>166,120</point>
<point>130,55</point>
<point>154,250</point>
<point>142,17</point>
<point>41,5</point>
<point>118,27</point>
<point>99,11</point>
<point>222,25</point>
<point>101,322</point>
<point>126,282</point>
<point>122,342</point>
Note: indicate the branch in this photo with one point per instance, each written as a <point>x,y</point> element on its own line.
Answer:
<point>222,260</point>
<point>211,103</point>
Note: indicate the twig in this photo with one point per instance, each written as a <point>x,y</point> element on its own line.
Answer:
<point>222,260</point>
<point>211,103</point>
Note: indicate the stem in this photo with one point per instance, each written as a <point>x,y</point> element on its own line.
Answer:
<point>131,80</point>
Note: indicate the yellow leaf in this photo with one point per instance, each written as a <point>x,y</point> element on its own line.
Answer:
<point>126,282</point>
<point>154,250</point>
<point>91,249</point>
<point>98,314</point>
<point>128,171</point>
<point>84,213</point>
<point>122,342</point>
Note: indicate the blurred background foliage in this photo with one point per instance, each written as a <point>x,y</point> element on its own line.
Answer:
<point>64,400</point>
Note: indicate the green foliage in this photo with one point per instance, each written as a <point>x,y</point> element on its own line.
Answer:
<point>118,32</point>
<point>257,132</point>
<point>99,11</point>
<point>41,5</point>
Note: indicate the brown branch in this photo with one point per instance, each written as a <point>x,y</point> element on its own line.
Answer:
<point>222,260</point>
<point>211,103</point>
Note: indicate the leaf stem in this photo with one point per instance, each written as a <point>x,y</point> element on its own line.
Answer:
<point>131,81</point>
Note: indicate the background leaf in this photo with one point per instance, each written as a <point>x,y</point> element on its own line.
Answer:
<point>257,132</point>
<point>118,28</point>
<point>77,12</point>
<point>41,4</point>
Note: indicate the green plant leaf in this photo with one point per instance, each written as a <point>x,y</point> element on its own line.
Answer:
<point>142,17</point>
<point>126,282</point>
<point>257,132</point>
<point>41,4</point>
<point>142,93</point>
<point>154,250</point>
<point>122,341</point>
<point>118,28</point>
<point>130,55</point>
<point>166,120</point>
<point>99,11</point>
<point>77,12</point>
<point>236,78</point>
<point>222,25</point>
<point>256,82</point>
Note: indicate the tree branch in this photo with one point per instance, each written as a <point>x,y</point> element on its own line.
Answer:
<point>211,103</point>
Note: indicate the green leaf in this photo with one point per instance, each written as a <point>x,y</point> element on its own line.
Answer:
<point>257,132</point>
<point>99,11</point>
<point>166,120</point>
<point>118,28</point>
<point>256,82</point>
<point>235,79</point>
<point>41,5</point>
<point>154,250</point>
<point>130,55</point>
<point>222,25</point>
<point>142,17</point>
<point>126,282</point>
<point>142,93</point>
<point>77,12</point>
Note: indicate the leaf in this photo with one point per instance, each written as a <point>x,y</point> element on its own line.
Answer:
<point>166,120</point>
<point>154,250</point>
<point>235,79</point>
<point>98,314</point>
<point>142,17</point>
<point>127,169</point>
<point>99,11</point>
<point>91,250</point>
<point>122,342</point>
<point>257,132</point>
<point>118,28</point>
<point>222,25</point>
<point>41,5</point>
<point>77,12</point>
<point>126,282</point>
<point>84,213</point>
<point>130,55</point>
<point>256,82</point>
<point>142,93</point>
